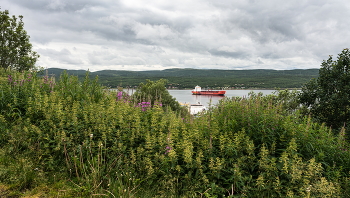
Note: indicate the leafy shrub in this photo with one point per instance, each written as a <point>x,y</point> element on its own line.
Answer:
<point>327,97</point>
<point>96,142</point>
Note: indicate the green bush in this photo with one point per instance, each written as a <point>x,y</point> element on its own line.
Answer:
<point>327,97</point>
<point>87,141</point>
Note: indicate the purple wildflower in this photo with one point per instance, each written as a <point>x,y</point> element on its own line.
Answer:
<point>144,105</point>
<point>120,95</point>
<point>46,80</point>
<point>10,78</point>
<point>29,76</point>
<point>158,103</point>
<point>167,149</point>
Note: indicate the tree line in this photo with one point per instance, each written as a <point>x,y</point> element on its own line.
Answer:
<point>214,79</point>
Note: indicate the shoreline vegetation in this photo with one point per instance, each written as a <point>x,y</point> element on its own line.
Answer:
<point>65,137</point>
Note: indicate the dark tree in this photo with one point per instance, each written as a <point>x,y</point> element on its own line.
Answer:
<point>15,49</point>
<point>328,96</point>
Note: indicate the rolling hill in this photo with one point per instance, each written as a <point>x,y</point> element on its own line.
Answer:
<point>188,78</point>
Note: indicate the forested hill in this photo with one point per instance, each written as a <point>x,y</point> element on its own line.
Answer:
<point>189,78</point>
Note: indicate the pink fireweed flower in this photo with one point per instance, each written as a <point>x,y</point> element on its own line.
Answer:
<point>46,80</point>
<point>144,105</point>
<point>121,96</point>
<point>167,150</point>
<point>158,104</point>
<point>29,77</point>
<point>9,78</point>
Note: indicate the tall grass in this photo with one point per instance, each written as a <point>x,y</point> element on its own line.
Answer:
<point>78,139</point>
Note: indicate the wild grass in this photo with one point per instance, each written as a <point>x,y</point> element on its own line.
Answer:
<point>76,139</point>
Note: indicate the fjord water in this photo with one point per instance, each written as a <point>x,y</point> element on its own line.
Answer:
<point>185,96</point>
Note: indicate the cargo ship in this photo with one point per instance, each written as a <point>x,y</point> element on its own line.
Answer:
<point>198,91</point>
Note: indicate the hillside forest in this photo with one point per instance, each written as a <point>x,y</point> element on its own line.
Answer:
<point>189,78</point>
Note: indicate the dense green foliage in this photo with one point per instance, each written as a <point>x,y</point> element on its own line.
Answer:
<point>328,96</point>
<point>155,93</point>
<point>215,79</point>
<point>15,49</point>
<point>73,138</point>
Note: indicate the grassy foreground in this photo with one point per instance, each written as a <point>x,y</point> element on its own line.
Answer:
<point>75,139</point>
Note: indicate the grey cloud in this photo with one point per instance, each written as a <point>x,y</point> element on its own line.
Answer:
<point>238,55</point>
<point>200,34</point>
<point>264,28</point>
<point>59,5</point>
<point>63,56</point>
<point>259,61</point>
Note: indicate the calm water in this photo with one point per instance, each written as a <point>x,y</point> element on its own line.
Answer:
<point>185,96</point>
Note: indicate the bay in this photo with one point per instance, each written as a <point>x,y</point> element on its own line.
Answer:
<point>186,97</point>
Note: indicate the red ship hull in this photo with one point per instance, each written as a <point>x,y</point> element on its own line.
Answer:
<point>216,93</point>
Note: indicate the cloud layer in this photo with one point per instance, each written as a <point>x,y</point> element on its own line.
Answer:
<point>210,34</point>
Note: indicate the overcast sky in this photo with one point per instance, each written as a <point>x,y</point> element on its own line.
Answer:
<point>202,34</point>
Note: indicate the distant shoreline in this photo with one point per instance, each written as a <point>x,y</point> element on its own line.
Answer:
<point>187,79</point>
